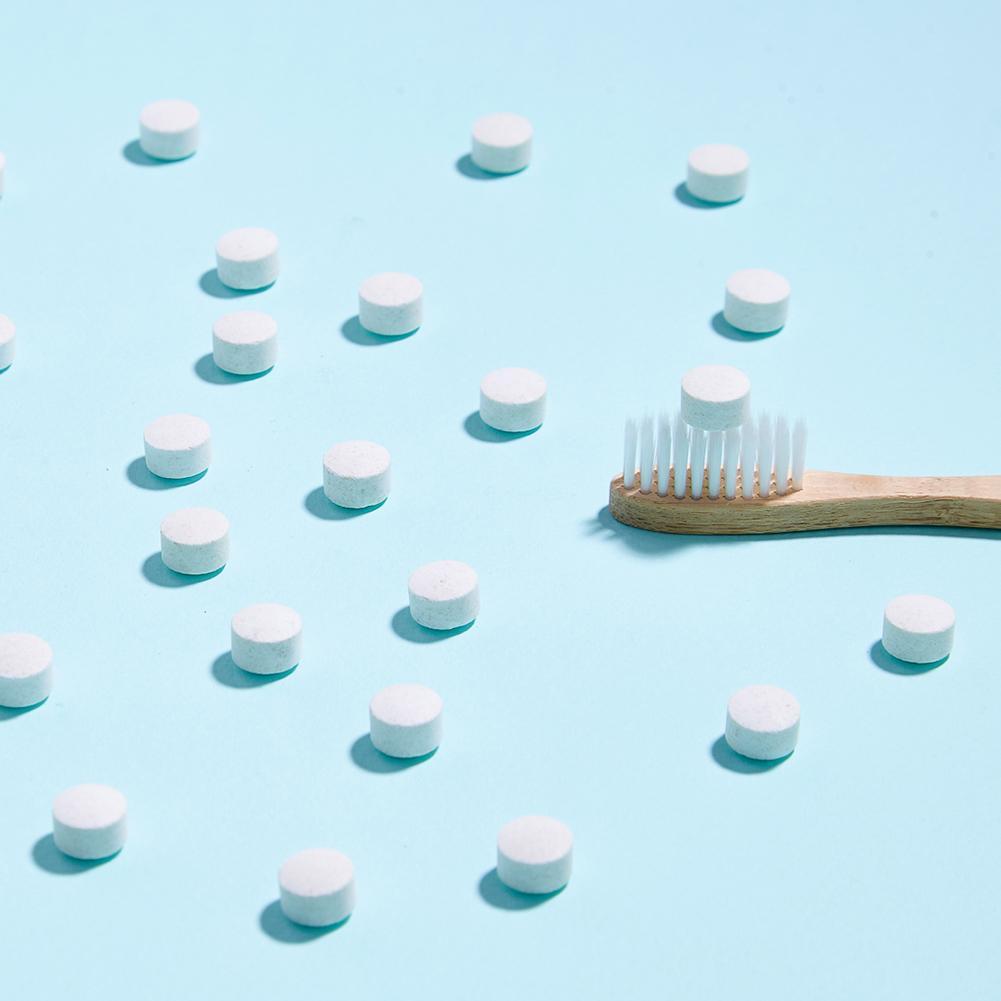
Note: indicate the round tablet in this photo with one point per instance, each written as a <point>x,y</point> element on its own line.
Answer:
<point>317,887</point>
<point>513,399</point>
<point>177,446</point>
<point>756,300</point>
<point>502,143</point>
<point>25,670</point>
<point>7,341</point>
<point>391,304</point>
<point>534,854</point>
<point>918,628</point>
<point>762,722</point>
<point>247,258</point>
<point>168,130</point>
<point>356,474</point>
<point>715,397</point>
<point>194,540</point>
<point>405,720</point>
<point>444,595</point>
<point>266,639</point>
<point>717,173</point>
<point>89,821</point>
<point>245,343</point>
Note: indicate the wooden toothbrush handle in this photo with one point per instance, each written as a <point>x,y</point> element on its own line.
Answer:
<point>956,501</point>
<point>827,501</point>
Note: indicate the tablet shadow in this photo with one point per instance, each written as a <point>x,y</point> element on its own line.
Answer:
<point>496,894</point>
<point>276,926</point>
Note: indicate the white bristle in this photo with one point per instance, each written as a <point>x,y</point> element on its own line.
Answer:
<point>781,455</point>
<point>680,456</point>
<point>646,454</point>
<point>715,462</point>
<point>731,454</point>
<point>663,454</point>
<point>765,451</point>
<point>629,455</point>
<point>748,456</point>
<point>798,454</point>
<point>697,461</point>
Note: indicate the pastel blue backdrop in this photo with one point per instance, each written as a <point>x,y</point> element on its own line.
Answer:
<point>593,685</point>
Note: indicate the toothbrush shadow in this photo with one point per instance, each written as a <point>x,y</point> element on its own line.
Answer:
<point>728,330</point>
<point>887,662</point>
<point>727,758</point>
<point>650,543</point>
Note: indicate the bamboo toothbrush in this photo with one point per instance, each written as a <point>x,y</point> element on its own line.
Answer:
<point>752,480</point>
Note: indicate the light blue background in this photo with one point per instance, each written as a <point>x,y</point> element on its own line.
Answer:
<point>593,686</point>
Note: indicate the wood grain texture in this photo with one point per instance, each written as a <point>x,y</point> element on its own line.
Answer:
<point>827,500</point>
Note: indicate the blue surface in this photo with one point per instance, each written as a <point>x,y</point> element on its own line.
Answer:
<point>593,686</point>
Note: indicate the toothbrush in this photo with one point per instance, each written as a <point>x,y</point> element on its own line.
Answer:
<point>753,480</point>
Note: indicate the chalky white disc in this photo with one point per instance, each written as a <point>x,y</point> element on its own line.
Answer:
<point>356,474</point>
<point>245,342</point>
<point>25,670</point>
<point>717,173</point>
<point>762,722</point>
<point>513,399</point>
<point>266,638</point>
<point>534,854</point>
<point>177,446</point>
<point>918,628</point>
<point>89,821</point>
<point>194,540</point>
<point>444,595</point>
<point>502,143</point>
<point>317,887</point>
<point>715,397</point>
<point>756,300</point>
<point>8,341</point>
<point>247,258</point>
<point>168,130</point>
<point>391,303</point>
<point>405,720</point>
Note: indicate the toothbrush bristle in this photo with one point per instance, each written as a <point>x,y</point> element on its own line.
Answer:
<point>715,460</point>
<point>680,456</point>
<point>781,456</point>
<point>697,461</point>
<point>766,450</point>
<point>798,454</point>
<point>714,463</point>
<point>646,454</point>
<point>748,459</point>
<point>629,455</point>
<point>731,457</point>
<point>663,454</point>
